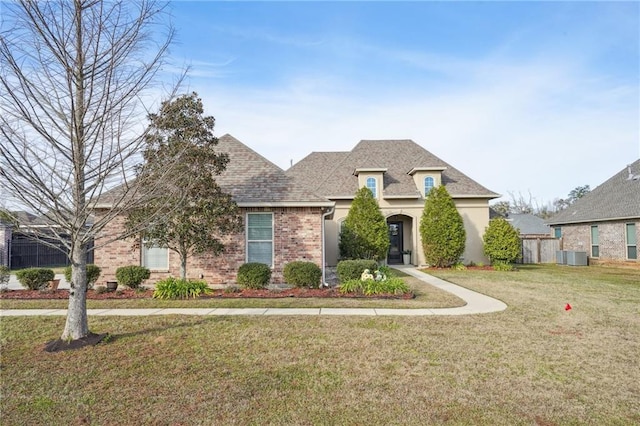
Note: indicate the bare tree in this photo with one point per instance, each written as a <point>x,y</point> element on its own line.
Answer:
<point>74,77</point>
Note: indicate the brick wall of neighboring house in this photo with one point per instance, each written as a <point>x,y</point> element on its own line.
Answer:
<point>5,241</point>
<point>297,236</point>
<point>611,235</point>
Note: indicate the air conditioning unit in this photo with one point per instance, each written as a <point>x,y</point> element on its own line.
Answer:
<point>577,258</point>
<point>561,257</point>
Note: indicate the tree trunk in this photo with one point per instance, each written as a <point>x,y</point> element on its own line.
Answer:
<point>77,325</point>
<point>183,266</point>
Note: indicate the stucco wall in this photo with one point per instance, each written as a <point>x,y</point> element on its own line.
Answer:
<point>297,235</point>
<point>474,212</point>
<point>611,235</point>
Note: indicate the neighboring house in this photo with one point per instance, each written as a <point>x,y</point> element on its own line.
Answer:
<point>529,226</point>
<point>283,222</point>
<point>399,173</point>
<point>605,223</point>
<point>538,245</point>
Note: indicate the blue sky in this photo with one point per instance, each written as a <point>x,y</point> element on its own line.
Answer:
<point>524,97</point>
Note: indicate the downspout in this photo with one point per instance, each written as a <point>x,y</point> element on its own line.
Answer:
<point>324,261</point>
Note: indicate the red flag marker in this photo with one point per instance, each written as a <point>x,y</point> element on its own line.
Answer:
<point>567,307</point>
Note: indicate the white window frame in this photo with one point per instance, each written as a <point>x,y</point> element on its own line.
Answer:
<point>248,241</point>
<point>428,189</point>
<point>373,190</point>
<point>143,257</point>
<point>597,243</point>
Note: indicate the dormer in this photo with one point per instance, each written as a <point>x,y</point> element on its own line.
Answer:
<point>427,178</point>
<point>372,178</point>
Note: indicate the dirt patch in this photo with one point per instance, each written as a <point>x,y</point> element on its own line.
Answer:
<point>60,345</point>
<point>238,294</point>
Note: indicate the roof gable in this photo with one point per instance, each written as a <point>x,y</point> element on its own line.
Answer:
<point>616,198</point>
<point>332,173</point>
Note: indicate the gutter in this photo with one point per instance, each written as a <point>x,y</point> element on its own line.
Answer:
<point>329,212</point>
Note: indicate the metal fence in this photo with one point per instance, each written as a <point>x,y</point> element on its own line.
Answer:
<point>30,253</point>
<point>539,249</point>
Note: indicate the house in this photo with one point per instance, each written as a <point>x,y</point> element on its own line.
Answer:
<point>400,173</point>
<point>283,222</point>
<point>605,223</point>
<point>538,244</point>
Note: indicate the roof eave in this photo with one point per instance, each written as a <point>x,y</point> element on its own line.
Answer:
<point>248,204</point>
<point>607,219</point>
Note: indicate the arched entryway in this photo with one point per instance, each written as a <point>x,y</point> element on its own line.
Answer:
<point>400,238</point>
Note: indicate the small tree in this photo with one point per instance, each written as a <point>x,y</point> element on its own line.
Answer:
<point>501,241</point>
<point>441,229</point>
<point>365,234</point>
<point>198,217</point>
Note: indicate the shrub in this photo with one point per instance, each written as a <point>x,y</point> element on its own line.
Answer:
<point>132,275</point>
<point>441,229</point>
<point>501,241</point>
<point>365,234</point>
<point>302,274</point>
<point>101,289</point>
<point>254,275</point>
<point>502,266</point>
<point>4,275</point>
<point>393,285</point>
<point>93,273</point>
<point>35,278</point>
<point>177,288</point>
<point>353,269</point>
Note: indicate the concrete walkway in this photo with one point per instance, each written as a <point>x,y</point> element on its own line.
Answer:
<point>477,303</point>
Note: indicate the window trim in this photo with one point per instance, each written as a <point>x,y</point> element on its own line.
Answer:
<point>143,248</point>
<point>373,190</point>
<point>595,247</point>
<point>433,184</point>
<point>557,232</point>
<point>272,240</point>
<point>626,240</point>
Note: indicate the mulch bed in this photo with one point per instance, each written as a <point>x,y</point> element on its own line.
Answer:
<point>217,294</point>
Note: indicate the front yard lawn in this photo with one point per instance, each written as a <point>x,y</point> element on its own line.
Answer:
<point>535,363</point>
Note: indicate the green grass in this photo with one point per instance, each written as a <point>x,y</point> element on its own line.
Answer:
<point>534,363</point>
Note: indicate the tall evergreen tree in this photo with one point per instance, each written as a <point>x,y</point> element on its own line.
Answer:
<point>364,234</point>
<point>441,229</point>
<point>197,218</point>
<point>501,241</point>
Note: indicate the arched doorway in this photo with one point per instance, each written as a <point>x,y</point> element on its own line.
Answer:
<point>400,237</point>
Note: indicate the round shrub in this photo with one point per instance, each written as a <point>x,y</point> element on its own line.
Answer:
<point>254,275</point>
<point>302,274</point>
<point>35,278</point>
<point>353,269</point>
<point>93,273</point>
<point>4,274</point>
<point>132,275</point>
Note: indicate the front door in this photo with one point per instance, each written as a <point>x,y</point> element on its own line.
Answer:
<point>395,240</point>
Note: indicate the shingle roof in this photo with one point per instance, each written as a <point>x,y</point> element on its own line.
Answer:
<point>529,224</point>
<point>616,198</point>
<point>331,173</point>
<point>253,180</point>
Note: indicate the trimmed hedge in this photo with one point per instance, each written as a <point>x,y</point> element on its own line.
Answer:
<point>132,275</point>
<point>93,273</point>
<point>177,288</point>
<point>353,269</point>
<point>35,278</point>
<point>393,285</point>
<point>254,275</point>
<point>302,274</point>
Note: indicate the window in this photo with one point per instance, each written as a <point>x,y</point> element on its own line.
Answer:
<point>260,238</point>
<point>428,185</point>
<point>155,258</point>
<point>632,241</point>
<point>372,185</point>
<point>595,245</point>
<point>557,232</point>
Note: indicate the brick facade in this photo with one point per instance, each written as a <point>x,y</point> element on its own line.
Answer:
<point>611,235</point>
<point>297,236</point>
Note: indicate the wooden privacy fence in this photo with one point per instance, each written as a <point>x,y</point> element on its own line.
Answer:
<point>539,249</point>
